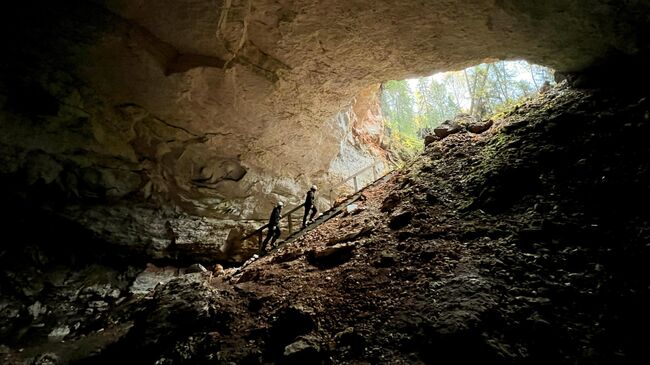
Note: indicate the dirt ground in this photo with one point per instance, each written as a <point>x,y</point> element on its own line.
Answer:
<point>526,244</point>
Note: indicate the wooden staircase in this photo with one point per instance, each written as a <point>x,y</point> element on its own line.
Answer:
<point>324,217</point>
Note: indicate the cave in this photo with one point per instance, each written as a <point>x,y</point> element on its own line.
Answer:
<point>143,141</point>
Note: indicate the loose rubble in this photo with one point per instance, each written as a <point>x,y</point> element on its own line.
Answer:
<point>526,244</point>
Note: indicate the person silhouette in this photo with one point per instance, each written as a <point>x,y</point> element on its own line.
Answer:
<point>274,227</point>
<point>310,206</point>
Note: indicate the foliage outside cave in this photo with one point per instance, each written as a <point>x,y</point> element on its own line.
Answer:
<point>414,105</point>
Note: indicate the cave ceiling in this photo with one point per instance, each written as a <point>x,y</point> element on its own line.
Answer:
<point>199,103</point>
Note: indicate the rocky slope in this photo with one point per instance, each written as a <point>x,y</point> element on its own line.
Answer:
<point>525,244</point>
<point>155,114</point>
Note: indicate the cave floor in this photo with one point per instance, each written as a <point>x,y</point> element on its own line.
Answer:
<point>525,244</point>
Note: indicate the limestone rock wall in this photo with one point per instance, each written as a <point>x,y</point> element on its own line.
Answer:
<point>218,109</point>
<point>363,144</point>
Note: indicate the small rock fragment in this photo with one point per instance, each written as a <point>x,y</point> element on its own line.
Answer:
<point>194,268</point>
<point>287,257</point>
<point>399,219</point>
<point>331,256</point>
<point>386,259</point>
<point>350,340</point>
<point>218,269</point>
<point>390,202</point>
<point>47,358</point>
<point>37,309</point>
<point>303,351</point>
<point>352,209</point>
<point>59,333</point>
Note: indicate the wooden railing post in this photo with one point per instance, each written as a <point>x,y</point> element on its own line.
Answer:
<point>355,180</point>
<point>290,223</point>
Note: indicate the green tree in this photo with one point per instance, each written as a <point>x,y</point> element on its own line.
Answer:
<point>434,102</point>
<point>476,79</point>
<point>410,106</point>
<point>398,104</point>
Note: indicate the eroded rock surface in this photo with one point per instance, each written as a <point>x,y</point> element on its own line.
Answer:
<point>495,265</point>
<point>220,108</point>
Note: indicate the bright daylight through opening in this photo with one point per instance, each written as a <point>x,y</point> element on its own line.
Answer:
<point>413,107</point>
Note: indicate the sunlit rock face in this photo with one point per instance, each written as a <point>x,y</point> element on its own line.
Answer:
<point>364,142</point>
<point>218,109</point>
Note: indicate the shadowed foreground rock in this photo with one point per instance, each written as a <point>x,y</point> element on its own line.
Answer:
<point>513,262</point>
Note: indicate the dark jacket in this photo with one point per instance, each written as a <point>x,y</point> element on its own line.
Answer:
<point>275,216</point>
<point>309,200</point>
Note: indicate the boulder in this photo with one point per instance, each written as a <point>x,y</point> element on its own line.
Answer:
<point>179,308</point>
<point>152,276</point>
<point>464,121</point>
<point>430,139</point>
<point>99,291</point>
<point>447,128</point>
<point>479,126</point>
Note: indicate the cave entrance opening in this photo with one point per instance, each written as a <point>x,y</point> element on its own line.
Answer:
<point>412,108</point>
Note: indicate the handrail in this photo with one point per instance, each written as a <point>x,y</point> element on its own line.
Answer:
<point>356,174</point>
<point>258,232</point>
<point>354,178</point>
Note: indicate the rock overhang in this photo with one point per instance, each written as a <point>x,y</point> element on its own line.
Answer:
<point>211,107</point>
